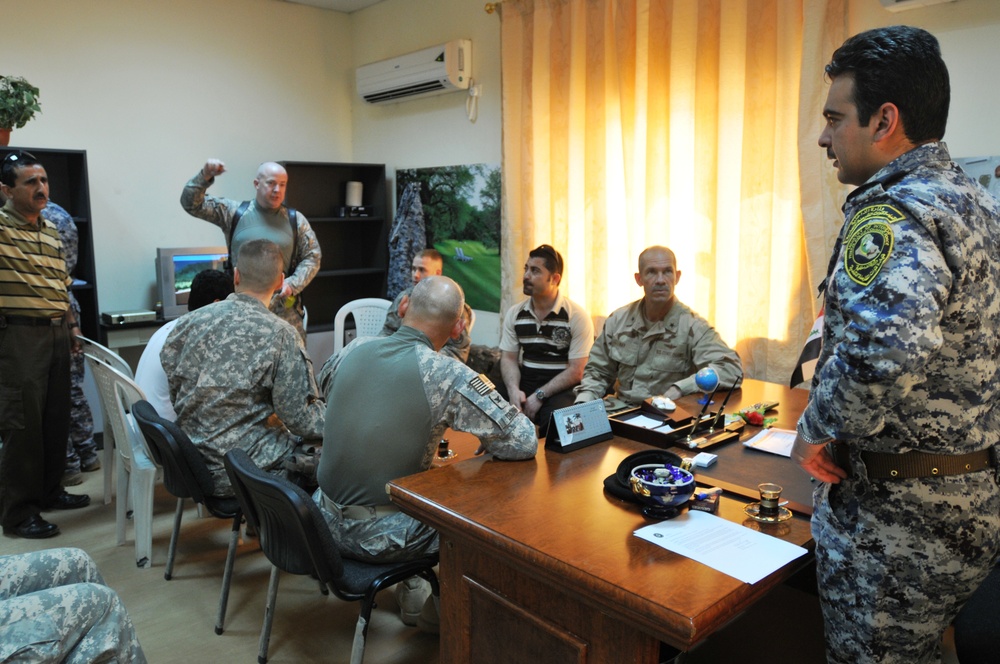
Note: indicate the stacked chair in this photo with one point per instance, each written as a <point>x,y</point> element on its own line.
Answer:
<point>92,350</point>
<point>136,472</point>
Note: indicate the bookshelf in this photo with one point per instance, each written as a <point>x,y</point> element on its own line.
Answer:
<point>355,249</point>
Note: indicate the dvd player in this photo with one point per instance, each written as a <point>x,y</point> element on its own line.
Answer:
<point>123,317</point>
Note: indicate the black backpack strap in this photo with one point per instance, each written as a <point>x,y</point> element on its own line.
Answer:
<point>293,221</point>
<point>240,211</point>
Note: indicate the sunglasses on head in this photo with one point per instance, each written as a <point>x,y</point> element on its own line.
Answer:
<point>16,156</point>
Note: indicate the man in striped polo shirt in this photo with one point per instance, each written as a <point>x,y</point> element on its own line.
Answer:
<point>35,337</point>
<point>545,342</point>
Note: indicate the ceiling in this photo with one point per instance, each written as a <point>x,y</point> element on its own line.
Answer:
<point>345,6</point>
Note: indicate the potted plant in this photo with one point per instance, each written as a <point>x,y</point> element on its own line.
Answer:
<point>18,104</point>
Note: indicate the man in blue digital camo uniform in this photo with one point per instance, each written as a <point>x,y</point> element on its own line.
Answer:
<point>907,519</point>
<point>81,450</point>
<point>56,607</point>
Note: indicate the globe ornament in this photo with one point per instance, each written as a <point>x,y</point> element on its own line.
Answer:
<point>707,381</point>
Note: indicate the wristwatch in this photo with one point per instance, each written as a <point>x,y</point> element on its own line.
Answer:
<point>540,394</point>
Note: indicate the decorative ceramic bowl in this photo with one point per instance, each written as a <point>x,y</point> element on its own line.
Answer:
<point>662,487</point>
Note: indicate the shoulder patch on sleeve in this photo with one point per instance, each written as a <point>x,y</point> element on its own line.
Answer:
<point>482,384</point>
<point>869,242</point>
<point>481,392</point>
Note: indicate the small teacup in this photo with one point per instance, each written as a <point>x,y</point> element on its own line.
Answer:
<point>770,497</point>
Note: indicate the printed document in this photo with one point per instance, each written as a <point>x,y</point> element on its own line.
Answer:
<point>775,441</point>
<point>747,555</point>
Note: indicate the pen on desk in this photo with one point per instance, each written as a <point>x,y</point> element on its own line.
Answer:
<point>692,442</point>
<point>708,400</point>
<point>723,406</point>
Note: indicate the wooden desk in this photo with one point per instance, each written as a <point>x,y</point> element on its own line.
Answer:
<point>537,562</point>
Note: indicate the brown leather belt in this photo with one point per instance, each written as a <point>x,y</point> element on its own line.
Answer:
<point>882,466</point>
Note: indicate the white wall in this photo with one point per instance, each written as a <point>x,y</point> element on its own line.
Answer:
<point>151,89</point>
<point>434,131</point>
<point>968,31</point>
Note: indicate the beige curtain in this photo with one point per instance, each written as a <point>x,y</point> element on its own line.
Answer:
<point>628,123</point>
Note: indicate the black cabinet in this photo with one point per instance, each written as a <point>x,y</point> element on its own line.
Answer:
<point>70,188</point>
<point>354,242</point>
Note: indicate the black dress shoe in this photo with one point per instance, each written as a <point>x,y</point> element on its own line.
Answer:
<point>67,501</point>
<point>34,527</point>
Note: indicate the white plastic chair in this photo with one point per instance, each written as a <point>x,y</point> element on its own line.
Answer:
<point>136,470</point>
<point>369,317</point>
<point>113,359</point>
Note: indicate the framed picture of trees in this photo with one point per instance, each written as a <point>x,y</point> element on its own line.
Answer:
<point>461,209</point>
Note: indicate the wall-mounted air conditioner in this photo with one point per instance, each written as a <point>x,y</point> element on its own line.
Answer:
<point>902,5</point>
<point>429,71</point>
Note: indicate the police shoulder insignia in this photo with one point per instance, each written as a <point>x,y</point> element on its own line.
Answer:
<point>869,242</point>
<point>482,384</point>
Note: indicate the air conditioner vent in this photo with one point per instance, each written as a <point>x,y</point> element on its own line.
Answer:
<point>430,71</point>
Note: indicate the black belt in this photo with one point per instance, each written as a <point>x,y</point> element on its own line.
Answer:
<point>36,321</point>
<point>883,466</point>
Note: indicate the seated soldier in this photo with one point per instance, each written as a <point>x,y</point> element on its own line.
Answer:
<point>429,263</point>
<point>56,607</point>
<point>240,376</point>
<point>389,399</point>
<point>656,345</point>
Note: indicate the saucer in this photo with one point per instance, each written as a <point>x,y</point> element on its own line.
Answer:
<point>753,511</point>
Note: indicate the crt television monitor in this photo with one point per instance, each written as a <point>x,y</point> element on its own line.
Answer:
<point>176,268</point>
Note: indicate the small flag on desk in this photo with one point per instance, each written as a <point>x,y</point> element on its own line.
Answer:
<point>806,366</point>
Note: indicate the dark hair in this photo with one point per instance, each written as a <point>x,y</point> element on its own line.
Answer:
<point>553,261</point>
<point>14,161</point>
<point>209,286</point>
<point>899,65</point>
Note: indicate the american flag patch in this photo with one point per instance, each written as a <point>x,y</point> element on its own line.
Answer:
<point>482,384</point>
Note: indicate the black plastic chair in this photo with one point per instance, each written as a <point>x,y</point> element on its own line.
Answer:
<point>185,475</point>
<point>296,539</point>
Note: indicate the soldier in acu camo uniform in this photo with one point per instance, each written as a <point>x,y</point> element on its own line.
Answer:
<point>907,519</point>
<point>429,263</point>
<point>389,399</point>
<point>81,450</point>
<point>263,218</point>
<point>55,607</point>
<point>239,376</point>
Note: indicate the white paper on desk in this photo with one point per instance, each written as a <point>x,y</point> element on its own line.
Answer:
<point>775,441</point>
<point>747,555</point>
<point>644,421</point>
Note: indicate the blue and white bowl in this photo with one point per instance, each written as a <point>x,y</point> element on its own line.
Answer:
<point>662,487</point>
